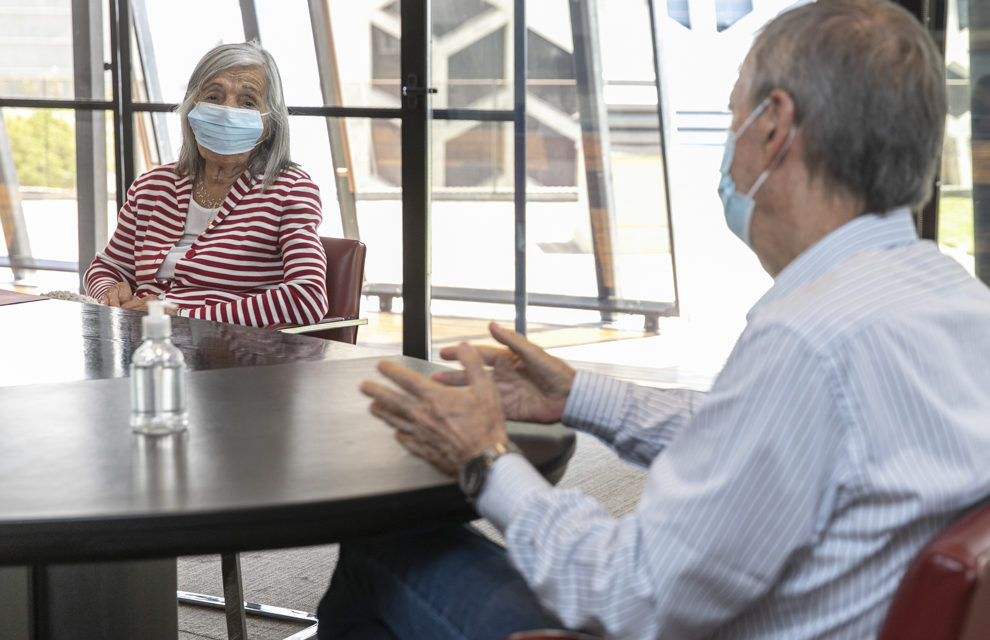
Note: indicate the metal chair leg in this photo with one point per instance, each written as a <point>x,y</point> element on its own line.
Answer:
<point>230,566</point>
<point>233,596</point>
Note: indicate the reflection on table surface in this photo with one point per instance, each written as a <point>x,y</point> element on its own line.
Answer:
<point>58,341</point>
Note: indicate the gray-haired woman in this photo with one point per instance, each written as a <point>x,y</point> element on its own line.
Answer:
<point>229,231</point>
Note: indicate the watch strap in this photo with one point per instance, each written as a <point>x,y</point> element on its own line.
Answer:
<point>474,474</point>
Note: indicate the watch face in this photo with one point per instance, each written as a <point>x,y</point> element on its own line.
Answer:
<point>472,478</point>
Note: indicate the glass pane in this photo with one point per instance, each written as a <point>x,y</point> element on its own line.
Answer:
<point>36,50</point>
<point>719,278</point>
<point>358,62</point>
<point>163,61</point>
<point>473,168</point>
<point>360,67</point>
<point>963,137</point>
<point>375,154</point>
<point>286,31</point>
<point>38,168</point>
<point>471,54</point>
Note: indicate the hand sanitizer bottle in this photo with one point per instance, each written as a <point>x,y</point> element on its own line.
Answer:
<point>158,382</point>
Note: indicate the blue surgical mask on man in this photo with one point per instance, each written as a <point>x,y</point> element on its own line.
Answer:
<point>738,207</point>
<point>226,130</point>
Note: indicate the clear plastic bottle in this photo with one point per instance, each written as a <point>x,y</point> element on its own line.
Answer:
<point>158,378</point>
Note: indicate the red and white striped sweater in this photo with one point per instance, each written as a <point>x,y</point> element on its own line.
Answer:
<point>259,262</point>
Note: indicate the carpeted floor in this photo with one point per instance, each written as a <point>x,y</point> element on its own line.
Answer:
<point>297,578</point>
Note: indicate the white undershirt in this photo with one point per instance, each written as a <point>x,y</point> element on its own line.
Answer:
<point>197,219</point>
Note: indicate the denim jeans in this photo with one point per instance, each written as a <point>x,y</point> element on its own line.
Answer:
<point>431,585</point>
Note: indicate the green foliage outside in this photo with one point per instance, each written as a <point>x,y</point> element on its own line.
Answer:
<point>43,145</point>
<point>955,222</point>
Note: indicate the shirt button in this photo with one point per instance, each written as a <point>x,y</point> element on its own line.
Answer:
<point>191,253</point>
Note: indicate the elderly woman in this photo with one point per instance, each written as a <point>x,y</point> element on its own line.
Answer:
<point>229,232</point>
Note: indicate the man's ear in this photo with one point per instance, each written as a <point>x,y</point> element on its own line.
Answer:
<point>777,123</point>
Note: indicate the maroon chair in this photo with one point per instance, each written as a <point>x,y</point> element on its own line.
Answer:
<point>945,594</point>
<point>345,279</point>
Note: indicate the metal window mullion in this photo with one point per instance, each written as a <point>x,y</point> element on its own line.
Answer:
<point>519,160</point>
<point>415,74</point>
<point>123,124</point>
<point>91,142</point>
<point>657,14</point>
<point>249,19</point>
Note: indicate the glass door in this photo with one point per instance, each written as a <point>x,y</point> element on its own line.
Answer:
<point>548,185</point>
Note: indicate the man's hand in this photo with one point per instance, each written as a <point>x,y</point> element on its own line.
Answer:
<point>445,426</point>
<point>533,385</point>
<point>117,295</point>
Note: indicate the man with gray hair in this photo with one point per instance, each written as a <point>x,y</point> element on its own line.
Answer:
<point>848,426</point>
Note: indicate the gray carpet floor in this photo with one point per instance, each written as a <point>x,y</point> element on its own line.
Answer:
<point>297,578</point>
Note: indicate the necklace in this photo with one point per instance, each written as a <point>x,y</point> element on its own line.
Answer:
<point>204,199</point>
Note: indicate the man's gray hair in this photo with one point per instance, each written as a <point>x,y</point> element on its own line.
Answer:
<point>271,156</point>
<point>869,93</point>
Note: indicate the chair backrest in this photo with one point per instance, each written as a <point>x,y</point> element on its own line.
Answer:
<point>945,594</point>
<point>345,277</point>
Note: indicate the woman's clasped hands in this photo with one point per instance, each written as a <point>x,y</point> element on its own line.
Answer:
<point>120,295</point>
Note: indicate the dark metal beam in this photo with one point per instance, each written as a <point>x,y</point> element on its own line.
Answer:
<point>120,65</point>
<point>42,103</point>
<point>520,59</point>
<point>415,78</point>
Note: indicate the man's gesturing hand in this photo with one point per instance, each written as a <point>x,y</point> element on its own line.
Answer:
<point>532,384</point>
<point>443,425</point>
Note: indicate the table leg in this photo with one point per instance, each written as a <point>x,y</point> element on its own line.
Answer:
<point>118,600</point>
<point>15,594</point>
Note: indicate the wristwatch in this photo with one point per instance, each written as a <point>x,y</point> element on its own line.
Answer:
<point>474,473</point>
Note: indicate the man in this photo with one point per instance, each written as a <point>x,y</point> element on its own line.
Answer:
<point>848,426</point>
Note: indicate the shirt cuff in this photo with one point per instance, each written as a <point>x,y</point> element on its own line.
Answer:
<point>594,404</point>
<point>511,482</point>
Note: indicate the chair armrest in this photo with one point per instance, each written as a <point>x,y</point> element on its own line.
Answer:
<point>322,325</point>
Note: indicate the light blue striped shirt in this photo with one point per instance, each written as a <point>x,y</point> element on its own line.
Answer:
<point>850,423</point>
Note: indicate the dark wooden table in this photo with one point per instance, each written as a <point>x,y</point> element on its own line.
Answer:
<point>280,452</point>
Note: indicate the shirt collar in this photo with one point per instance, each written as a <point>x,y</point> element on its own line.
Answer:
<point>868,231</point>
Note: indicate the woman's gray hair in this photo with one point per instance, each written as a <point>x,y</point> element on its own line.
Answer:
<point>869,91</point>
<point>271,156</point>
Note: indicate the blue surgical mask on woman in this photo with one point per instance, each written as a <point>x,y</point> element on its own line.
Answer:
<point>226,130</point>
<point>738,207</point>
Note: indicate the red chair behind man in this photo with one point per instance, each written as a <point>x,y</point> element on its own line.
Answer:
<point>945,594</point>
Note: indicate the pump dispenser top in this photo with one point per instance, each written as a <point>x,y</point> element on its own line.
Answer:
<point>156,324</point>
